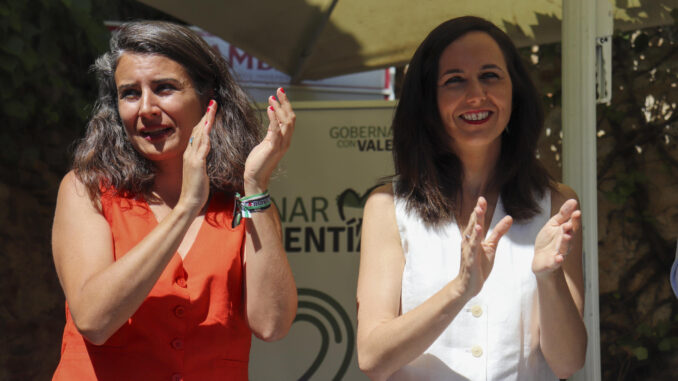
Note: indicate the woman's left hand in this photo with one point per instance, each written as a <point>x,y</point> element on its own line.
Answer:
<point>554,241</point>
<point>265,157</point>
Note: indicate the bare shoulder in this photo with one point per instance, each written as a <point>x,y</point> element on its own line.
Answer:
<point>72,187</point>
<point>381,198</point>
<point>379,218</point>
<point>71,182</point>
<point>74,205</point>
<point>379,212</point>
<point>560,194</point>
<point>76,216</point>
<point>380,234</point>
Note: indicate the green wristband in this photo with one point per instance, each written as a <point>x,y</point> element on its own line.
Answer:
<point>245,206</point>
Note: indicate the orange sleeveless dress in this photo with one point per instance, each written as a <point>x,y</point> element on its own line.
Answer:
<point>192,324</point>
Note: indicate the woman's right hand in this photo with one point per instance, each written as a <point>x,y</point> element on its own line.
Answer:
<point>265,156</point>
<point>477,255</point>
<point>195,185</point>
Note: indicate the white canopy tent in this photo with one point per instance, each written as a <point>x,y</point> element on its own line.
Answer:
<point>312,39</point>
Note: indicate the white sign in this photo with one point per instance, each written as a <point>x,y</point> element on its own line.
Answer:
<point>259,79</point>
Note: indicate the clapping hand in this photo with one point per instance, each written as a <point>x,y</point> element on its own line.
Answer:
<point>477,255</point>
<point>265,157</point>
<point>554,240</point>
<point>195,185</point>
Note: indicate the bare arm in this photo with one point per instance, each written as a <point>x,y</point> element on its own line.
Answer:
<point>270,291</point>
<point>560,285</point>
<point>387,340</point>
<point>102,293</point>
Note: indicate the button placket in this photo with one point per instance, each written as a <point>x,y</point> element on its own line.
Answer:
<point>477,315</point>
<point>178,344</point>
<point>476,351</point>
<point>477,311</point>
<point>179,311</point>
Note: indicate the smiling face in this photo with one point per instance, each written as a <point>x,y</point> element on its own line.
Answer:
<point>474,91</point>
<point>158,104</point>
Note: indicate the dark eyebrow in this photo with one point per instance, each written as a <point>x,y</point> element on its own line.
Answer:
<point>484,67</point>
<point>451,71</point>
<point>165,80</point>
<point>491,66</point>
<point>155,82</point>
<point>123,87</point>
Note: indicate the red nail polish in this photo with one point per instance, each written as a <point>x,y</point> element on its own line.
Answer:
<point>273,97</point>
<point>282,90</point>
<point>211,103</point>
<point>271,108</point>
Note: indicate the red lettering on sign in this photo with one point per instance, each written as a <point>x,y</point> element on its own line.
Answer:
<point>235,55</point>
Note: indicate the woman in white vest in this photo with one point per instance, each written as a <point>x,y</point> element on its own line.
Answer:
<point>471,262</point>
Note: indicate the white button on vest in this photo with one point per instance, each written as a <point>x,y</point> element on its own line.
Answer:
<point>476,311</point>
<point>477,351</point>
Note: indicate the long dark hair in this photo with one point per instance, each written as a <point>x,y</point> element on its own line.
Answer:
<point>429,173</point>
<point>105,157</point>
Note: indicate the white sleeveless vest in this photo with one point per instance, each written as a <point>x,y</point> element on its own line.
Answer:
<point>495,336</point>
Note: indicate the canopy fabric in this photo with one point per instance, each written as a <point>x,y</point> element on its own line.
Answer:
<point>314,39</point>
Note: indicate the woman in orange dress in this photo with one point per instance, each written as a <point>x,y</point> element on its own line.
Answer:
<point>162,278</point>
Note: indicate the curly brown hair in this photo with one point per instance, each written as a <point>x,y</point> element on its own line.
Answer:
<point>105,158</point>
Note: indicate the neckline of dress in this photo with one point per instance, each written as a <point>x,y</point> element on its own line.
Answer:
<point>208,209</point>
<point>493,222</point>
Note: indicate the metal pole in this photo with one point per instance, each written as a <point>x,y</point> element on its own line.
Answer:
<point>579,154</point>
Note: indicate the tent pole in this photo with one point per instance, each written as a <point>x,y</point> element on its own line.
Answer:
<point>579,154</point>
<point>310,44</point>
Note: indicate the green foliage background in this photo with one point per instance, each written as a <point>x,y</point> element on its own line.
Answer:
<point>638,183</point>
<point>46,47</point>
<point>638,197</point>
